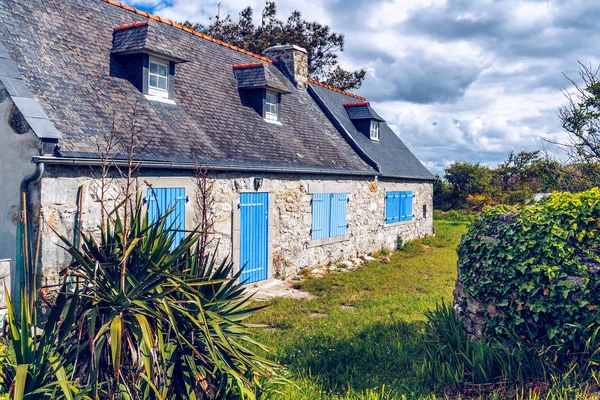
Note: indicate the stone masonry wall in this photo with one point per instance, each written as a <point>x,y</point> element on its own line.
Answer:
<point>291,214</point>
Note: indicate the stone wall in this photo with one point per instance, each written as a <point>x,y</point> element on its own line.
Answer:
<point>474,314</point>
<point>291,214</point>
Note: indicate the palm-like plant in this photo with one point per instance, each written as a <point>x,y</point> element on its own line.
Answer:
<point>38,371</point>
<point>155,322</point>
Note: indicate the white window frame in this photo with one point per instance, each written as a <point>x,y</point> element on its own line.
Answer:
<point>270,115</point>
<point>154,90</point>
<point>374,130</point>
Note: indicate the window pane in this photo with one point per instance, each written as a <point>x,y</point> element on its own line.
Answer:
<point>162,70</point>
<point>153,82</point>
<point>162,83</point>
<point>271,98</point>
<point>153,68</point>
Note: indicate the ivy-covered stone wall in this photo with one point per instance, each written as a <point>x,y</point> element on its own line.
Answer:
<point>533,271</point>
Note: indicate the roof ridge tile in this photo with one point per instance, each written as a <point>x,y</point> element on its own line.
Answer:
<point>134,25</point>
<point>189,30</point>
<point>359,104</point>
<point>246,66</point>
<point>326,86</point>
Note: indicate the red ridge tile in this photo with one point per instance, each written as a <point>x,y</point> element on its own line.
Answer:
<point>336,89</point>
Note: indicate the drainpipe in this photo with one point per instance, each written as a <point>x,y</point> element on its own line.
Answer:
<point>23,260</point>
<point>32,177</point>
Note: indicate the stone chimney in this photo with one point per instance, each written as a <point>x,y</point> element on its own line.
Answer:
<point>295,58</point>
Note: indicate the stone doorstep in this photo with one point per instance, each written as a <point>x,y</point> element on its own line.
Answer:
<point>276,288</point>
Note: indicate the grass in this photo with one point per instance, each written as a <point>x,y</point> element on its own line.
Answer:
<point>362,334</point>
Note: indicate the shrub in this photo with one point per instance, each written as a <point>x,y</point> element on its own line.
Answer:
<point>477,202</point>
<point>538,266</point>
<point>400,243</point>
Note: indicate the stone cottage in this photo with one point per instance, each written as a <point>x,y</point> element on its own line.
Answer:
<point>303,173</point>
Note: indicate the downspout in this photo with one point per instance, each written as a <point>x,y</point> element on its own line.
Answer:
<point>24,263</point>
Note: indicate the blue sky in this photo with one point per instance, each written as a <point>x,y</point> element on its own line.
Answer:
<point>458,80</point>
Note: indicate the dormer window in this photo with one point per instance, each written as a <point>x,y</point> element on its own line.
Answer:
<point>374,130</point>
<point>261,89</point>
<point>271,106</point>
<point>365,119</point>
<point>158,77</point>
<point>146,59</point>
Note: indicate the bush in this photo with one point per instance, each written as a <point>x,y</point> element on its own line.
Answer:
<point>400,243</point>
<point>538,267</point>
<point>477,202</point>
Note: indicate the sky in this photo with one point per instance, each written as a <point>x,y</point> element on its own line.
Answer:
<point>457,80</point>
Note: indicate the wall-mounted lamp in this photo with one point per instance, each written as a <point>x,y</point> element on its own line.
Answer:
<point>258,183</point>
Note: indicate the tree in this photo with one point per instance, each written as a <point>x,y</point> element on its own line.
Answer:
<point>467,178</point>
<point>319,41</point>
<point>581,119</point>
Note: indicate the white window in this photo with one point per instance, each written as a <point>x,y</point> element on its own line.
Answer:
<point>374,130</point>
<point>158,76</point>
<point>271,106</point>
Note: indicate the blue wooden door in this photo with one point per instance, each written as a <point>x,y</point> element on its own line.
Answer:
<point>160,201</point>
<point>254,237</point>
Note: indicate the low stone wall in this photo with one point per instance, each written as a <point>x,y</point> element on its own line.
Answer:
<point>291,214</point>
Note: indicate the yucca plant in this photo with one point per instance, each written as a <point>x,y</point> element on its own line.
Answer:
<point>38,370</point>
<point>156,322</point>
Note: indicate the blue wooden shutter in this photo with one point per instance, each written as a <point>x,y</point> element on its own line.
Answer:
<point>406,206</point>
<point>321,208</point>
<point>403,208</point>
<point>409,206</point>
<point>160,201</point>
<point>392,207</point>
<point>338,220</point>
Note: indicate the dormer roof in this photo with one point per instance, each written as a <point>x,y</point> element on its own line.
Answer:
<point>143,37</point>
<point>258,76</point>
<point>361,110</point>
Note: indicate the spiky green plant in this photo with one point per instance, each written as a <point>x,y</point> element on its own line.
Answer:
<point>154,322</point>
<point>38,371</point>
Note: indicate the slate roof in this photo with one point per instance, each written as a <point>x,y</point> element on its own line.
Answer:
<point>390,154</point>
<point>361,110</point>
<point>62,49</point>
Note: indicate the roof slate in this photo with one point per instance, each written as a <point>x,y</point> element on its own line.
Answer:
<point>390,153</point>
<point>62,51</point>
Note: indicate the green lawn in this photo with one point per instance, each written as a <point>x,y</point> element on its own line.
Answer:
<point>363,328</point>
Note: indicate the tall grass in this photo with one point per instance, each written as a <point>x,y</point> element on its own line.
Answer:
<point>516,365</point>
